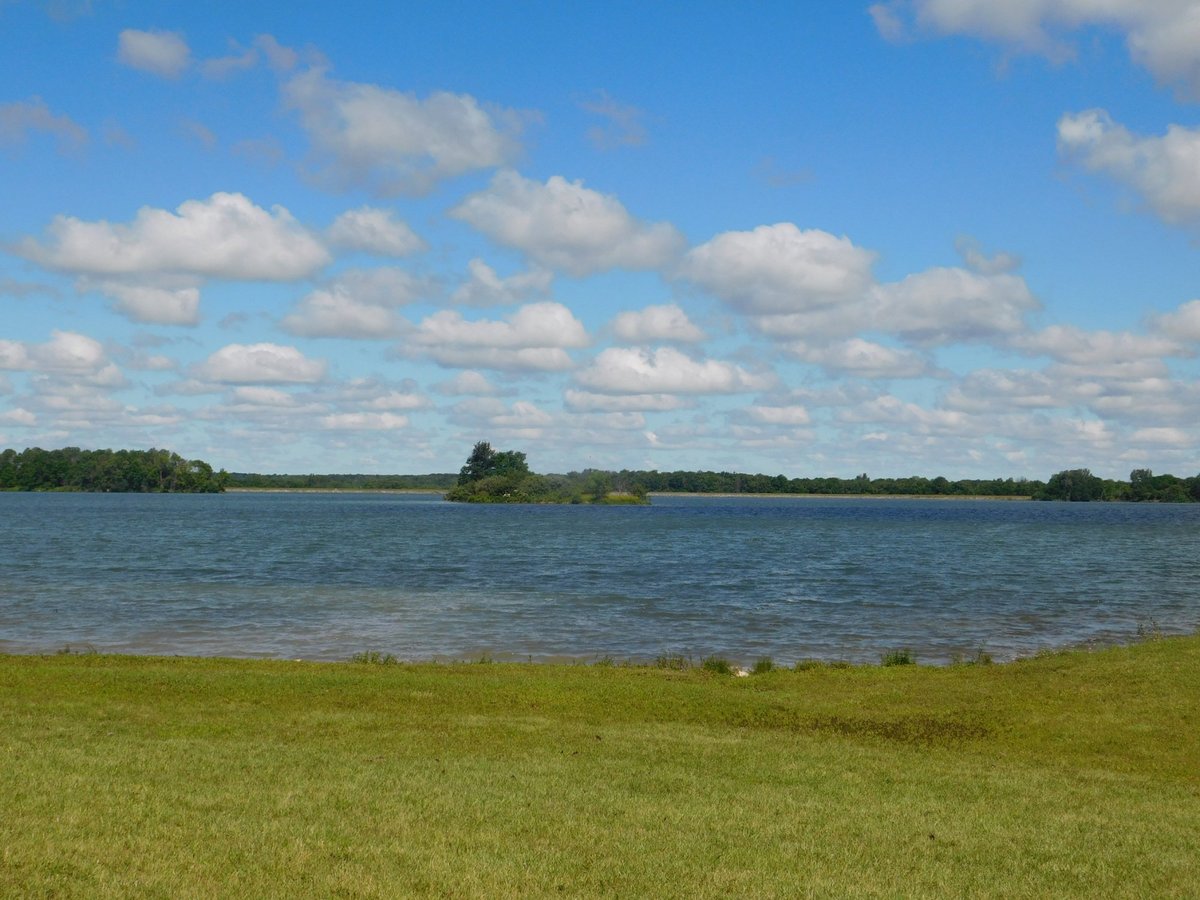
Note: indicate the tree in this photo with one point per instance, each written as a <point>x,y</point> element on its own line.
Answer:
<point>479,463</point>
<point>1073,484</point>
<point>485,462</point>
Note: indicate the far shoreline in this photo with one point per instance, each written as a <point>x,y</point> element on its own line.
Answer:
<point>716,495</point>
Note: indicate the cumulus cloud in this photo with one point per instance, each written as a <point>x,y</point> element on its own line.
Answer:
<point>152,303</point>
<point>20,118</point>
<point>359,303</point>
<point>162,53</point>
<point>1163,171</point>
<point>393,142</point>
<point>225,236</point>
<point>1167,436</point>
<point>589,402</point>
<point>890,410</point>
<point>372,230</point>
<point>68,355</point>
<point>862,358</point>
<point>656,323</point>
<point>992,390</point>
<point>665,370</point>
<point>941,305</point>
<point>535,337</point>
<point>811,284</point>
<point>363,421</point>
<point>260,364</point>
<point>780,269</point>
<point>18,416</point>
<point>563,225</point>
<point>1163,35</point>
<point>978,261</point>
<point>1100,351</point>
<point>484,287</point>
<point>1181,325</point>
<point>788,416</point>
<point>468,383</point>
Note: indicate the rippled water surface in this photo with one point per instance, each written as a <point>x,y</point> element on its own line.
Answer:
<point>321,576</point>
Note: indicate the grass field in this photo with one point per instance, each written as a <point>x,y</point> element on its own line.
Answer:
<point>1073,774</point>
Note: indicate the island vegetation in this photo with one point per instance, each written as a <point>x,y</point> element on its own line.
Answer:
<point>123,471</point>
<point>503,476</point>
<point>1070,774</point>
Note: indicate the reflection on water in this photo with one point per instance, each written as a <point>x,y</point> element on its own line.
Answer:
<point>322,576</point>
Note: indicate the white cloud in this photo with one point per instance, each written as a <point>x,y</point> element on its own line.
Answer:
<point>535,337</point>
<point>887,22</point>
<point>18,416</point>
<point>393,142</point>
<point>68,358</point>
<point>19,118</point>
<point>225,236</point>
<point>468,383</point>
<point>359,303</point>
<point>1168,436</point>
<point>666,371</point>
<point>162,53</point>
<point>656,323</point>
<point>279,57</point>
<point>373,230</point>
<point>780,269</point>
<point>1162,35</point>
<point>993,390</point>
<point>891,410</point>
<point>363,421</point>
<point>239,60</point>
<point>1181,325</point>
<point>1164,171</point>
<point>865,359</point>
<point>588,402</point>
<point>153,303</point>
<point>1104,351</point>
<point>811,284</point>
<point>484,287</point>
<point>978,261</point>
<point>337,313</point>
<point>943,305</point>
<point>790,416</point>
<point>260,364</point>
<point>566,226</point>
<point>252,395</point>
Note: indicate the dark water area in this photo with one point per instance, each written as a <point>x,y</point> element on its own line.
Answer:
<point>322,576</point>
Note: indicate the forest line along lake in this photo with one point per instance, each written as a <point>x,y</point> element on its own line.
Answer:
<point>323,575</point>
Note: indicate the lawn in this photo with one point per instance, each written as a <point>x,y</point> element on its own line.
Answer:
<point>1070,774</point>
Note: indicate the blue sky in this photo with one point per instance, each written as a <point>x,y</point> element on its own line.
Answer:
<point>918,237</point>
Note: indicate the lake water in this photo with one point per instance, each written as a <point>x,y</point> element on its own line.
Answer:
<point>322,576</point>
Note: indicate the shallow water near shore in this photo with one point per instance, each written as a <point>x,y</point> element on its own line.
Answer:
<point>322,576</point>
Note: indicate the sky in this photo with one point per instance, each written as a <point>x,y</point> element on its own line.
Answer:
<point>913,237</point>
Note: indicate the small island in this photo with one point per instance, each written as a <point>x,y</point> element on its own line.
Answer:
<point>503,476</point>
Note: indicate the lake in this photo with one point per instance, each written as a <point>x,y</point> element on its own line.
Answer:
<point>325,575</point>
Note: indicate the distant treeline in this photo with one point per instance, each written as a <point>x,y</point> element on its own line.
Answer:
<point>73,469</point>
<point>741,483</point>
<point>118,471</point>
<point>1143,486</point>
<point>433,482</point>
<point>1070,484</point>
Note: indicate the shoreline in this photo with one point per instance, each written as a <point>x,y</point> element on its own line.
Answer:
<point>690,494</point>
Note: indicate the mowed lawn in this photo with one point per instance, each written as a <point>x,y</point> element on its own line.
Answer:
<point>1072,774</point>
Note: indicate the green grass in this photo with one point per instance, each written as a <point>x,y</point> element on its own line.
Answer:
<point>1072,774</point>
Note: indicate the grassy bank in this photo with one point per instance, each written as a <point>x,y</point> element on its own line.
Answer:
<point>1072,774</point>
